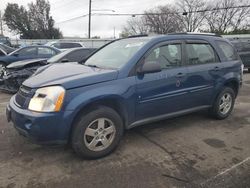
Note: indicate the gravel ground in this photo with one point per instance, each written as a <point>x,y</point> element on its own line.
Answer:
<point>189,151</point>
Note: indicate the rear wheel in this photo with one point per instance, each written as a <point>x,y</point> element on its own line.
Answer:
<point>2,66</point>
<point>97,133</point>
<point>224,103</point>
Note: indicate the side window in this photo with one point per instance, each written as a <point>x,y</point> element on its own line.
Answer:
<point>246,46</point>
<point>70,45</point>
<point>168,56</point>
<point>46,51</point>
<point>78,55</point>
<point>227,50</point>
<point>198,53</point>
<point>27,51</point>
<point>56,45</point>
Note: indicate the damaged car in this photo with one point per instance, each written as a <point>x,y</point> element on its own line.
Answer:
<point>16,73</point>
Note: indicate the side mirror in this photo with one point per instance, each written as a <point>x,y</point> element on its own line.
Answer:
<point>16,54</point>
<point>65,60</point>
<point>149,67</point>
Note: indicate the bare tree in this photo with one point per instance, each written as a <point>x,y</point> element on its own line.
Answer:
<point>163,20</point>
<point>192,19</point>
<point>227,15</point>
<point>135,26</point>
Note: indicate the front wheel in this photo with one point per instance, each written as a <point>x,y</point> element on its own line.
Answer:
<point>224,103</point>
<point>97,133</point>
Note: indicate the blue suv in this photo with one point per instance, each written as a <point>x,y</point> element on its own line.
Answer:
<point>127,83</point>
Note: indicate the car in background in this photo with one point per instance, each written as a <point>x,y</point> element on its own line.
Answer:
<point>127,83</point>
<point>30,52</point>
<point>243,49</point>
<point>16,73</point>
<point>5,40</point>
<point>66,45</point>
<point>6,48</point>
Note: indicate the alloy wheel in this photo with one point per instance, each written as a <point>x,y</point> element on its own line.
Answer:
<point>99,134</point>
<point>225,103</point>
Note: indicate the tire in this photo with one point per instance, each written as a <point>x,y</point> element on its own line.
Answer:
<point>221,110</point>
<point>249,70</point>
<point>91,137</point>
<point>2,65</point>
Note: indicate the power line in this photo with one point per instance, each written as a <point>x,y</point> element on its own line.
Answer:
<point>72,19</point>
<point>143,14</point>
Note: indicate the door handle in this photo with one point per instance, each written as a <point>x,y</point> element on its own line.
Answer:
<point>180,75</point>
<point>217,68</point>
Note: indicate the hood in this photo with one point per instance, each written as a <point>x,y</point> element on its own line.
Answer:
<point>70,75</point>
<point>22,64</point>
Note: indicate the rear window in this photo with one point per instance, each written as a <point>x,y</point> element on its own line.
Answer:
<point>227,50</point>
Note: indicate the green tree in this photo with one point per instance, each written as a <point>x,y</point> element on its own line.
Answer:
<point>34,23</point>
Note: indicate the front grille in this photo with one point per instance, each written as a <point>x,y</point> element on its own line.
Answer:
<point>22,95</point>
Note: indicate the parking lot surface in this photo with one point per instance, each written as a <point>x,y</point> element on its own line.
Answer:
<point>189,151</point>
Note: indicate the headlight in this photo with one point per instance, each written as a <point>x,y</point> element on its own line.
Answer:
<point>48,99</point>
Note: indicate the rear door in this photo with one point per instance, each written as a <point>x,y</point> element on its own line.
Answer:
<point>162,92</point>
<point>204,70</point>
<point>26,53</point>
<point>44,52</point>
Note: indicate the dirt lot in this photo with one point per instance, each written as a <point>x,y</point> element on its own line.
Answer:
<point>190,151</point>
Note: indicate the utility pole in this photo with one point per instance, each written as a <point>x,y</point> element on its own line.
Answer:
<point>1,23</point>
<point>89,33</point>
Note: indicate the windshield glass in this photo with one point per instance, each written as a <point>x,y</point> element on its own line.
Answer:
<point>58,57</point>
<point>116,54</point>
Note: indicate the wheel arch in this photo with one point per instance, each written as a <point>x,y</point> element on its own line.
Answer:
<point>114,102</point>
<point>234,84</point>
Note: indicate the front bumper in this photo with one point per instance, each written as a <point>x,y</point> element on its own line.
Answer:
<point>40,128</point>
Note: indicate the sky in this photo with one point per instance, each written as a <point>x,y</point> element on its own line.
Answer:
<point>103,26</point>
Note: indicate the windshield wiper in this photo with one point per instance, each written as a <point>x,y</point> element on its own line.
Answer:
<point>95,66</point>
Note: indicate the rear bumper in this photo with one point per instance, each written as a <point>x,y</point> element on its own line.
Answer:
<point>40,128</point>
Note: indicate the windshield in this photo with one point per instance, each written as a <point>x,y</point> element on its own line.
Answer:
<point>58,57</point>
<point>116,54</point>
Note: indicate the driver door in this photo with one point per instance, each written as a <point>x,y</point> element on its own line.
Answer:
<point>162,92</point>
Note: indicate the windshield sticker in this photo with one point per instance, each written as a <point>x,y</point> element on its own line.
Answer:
<point>134,44</point>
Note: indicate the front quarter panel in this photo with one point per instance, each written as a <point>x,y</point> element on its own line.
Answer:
<point>122,91</point>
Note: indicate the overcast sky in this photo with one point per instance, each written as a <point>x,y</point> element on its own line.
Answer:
<point>103,26</point>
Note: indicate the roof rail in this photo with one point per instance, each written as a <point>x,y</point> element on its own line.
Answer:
<point>195,33</point>
<point>135,36</point>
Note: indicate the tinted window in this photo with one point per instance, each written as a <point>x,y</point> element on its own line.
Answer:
<point>227,50</point>
<point>168,56</point>
<point>246,46</point>
<point>77,55</point>
<point>65,45</point>
<point>46,51</point>
<point>198,53</point>
<point>27,51</point>
<point>56,45</point>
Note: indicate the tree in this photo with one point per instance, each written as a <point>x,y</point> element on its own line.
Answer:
<point>17,19</point>
<point>226,16</point>
<point>135,26</point>
<point>34,23</point>
<point>191,19</point>
<point>163,20</point>
<point>159,20</point>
